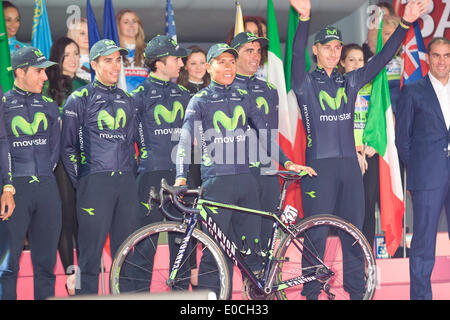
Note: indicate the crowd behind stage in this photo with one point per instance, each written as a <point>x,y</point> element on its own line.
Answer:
<point>182,78</point>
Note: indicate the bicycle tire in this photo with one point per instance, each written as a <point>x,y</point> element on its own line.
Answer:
<point>292,254</point>
<point>158,269</point>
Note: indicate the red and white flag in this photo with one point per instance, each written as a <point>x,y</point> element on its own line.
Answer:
<point>379,133</point>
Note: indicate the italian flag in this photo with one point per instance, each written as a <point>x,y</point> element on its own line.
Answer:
<point>291,132</point>
<point>379,133</point>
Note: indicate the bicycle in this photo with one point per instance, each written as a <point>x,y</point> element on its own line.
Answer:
<point>284,275</point>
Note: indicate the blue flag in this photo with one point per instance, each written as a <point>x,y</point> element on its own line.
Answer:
<point>109,23</point>
<point>41,36</point>
<point>171,30</point>
<point>110,32</point>
<point>93,33</point>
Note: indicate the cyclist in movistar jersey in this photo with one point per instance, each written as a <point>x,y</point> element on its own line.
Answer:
<point>217,117</point>
<point>33,130</point>
<point>327,103</point>
<point>161,106</point>
<point>7,204</point>
<point>265,98</point>
<point>99,128</point>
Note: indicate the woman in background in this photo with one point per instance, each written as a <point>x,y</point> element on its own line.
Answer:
<point>78,31</point>
<point>12,21</point>
<point>62,81</point>
<point>132,37</point>
<point>193,75</point>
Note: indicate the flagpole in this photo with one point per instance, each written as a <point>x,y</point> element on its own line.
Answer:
<point>404,214</point>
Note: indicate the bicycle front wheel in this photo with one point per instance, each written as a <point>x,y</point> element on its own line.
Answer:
<point>144,261</point>
<point>331,250</point>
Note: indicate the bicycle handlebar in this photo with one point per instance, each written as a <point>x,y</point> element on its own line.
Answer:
<point>174,194</point>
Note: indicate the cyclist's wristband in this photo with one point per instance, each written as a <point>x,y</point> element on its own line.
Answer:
<point>405,24</point>
<point>303,19</point>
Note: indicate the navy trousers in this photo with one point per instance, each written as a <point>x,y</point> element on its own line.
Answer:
<point>38,212</point>
<point>337,189</point>
<point>106,203</point>
<point>427,207</point>
<point>240,190</point>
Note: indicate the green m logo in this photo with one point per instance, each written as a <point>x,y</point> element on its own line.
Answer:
<point>261,102</point>
<point>38,53</point>
<point>111,122</point>
<point>333,103</point>
<point>168,116</point>
<point>26,127</point>
<point>331,32</point>
<point>228,123</point>
<point>80,93</point>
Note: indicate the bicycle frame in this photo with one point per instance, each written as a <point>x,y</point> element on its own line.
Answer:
<point>207,208</point>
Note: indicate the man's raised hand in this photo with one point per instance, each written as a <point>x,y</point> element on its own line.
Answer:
<point>414,9</point>
<point>303,7</point>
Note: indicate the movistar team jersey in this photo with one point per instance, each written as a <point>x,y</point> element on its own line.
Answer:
<point>99,127</point>
<point>265,98</point>
<point>327,103</point>
<point>33,130</point>
<point>161,106</point>
<point>217,117</point>
<point>5,156</point>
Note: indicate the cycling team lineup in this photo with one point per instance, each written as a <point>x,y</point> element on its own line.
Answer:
<point>182,170</point>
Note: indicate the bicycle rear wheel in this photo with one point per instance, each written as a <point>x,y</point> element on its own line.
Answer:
<point>143,262</point>
<point>316,251</point>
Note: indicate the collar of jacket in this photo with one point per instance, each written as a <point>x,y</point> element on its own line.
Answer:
<point>219,87</point>
<point>322,73</point>
<point>21,91</point>
<point>244,78</point>
<point>102,86</point>
<point>154,79</point>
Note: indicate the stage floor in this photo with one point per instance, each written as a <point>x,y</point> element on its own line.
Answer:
<point>393,276</point>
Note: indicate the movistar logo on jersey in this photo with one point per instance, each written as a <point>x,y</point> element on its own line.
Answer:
<point>262,102</point>
<point>80,93</point>
<point>113,123</point>
<point>18,122</point>
<point>168,116</point>
<point>227,122</point>
<point>333,103</point>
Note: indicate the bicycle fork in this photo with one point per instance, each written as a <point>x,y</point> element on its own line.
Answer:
<point>177,264</point>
